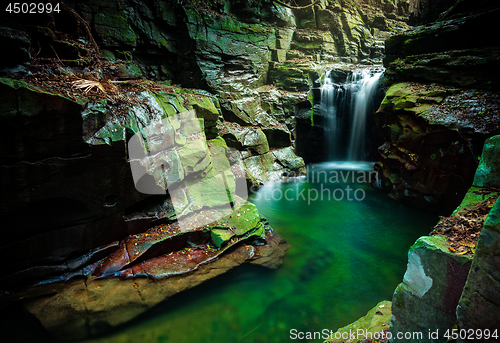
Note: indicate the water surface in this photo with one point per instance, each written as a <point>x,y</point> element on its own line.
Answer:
<point>346,256</point>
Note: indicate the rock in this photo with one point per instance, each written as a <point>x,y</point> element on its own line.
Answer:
<point>488,171</point>
<point>284,38</point>
<point>263,167</point>
<point>95,251</point>
<point>123,72</point>
<point>251,140</point>
<point>73,196</point>
<point>479,305</point>
<point>373,323</point>
<point>293,76</point>
<point>113,28</point>
<point>63,182</point>
<point>271,254</point>
<point>94,305</point>
<point>418,304</point>
<point>425,11</point>
<point>441,285</point>
<point>284,16</point>
<point>207,110</point>
<point>310,133</point>
<point>287,158</point>
<point>278,137</point>
<point>18,44</point>
<point>246,45</point>
<point>425,149</point>
<point>454,51</point>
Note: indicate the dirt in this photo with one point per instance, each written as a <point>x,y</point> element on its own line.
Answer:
<point>462,229</point>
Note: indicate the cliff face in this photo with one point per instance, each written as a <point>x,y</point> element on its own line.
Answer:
<point>445,104</point>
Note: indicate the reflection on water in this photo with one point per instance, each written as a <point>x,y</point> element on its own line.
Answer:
<point>346,256</point>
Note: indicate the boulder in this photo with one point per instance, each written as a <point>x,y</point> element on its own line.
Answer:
<point>82,308</point>
<point>287,158</point>
<point>263,167</point>
<point>249,140</point>
<point>432,285</point>
<point>488,171</point>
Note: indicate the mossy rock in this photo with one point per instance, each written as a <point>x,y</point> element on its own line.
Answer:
<point>244,222</point>
<point>419,303</point>
<point>472,197</point>
<point>287,158</point>
<point>204,108</point>
<point>375,321</point>
<point>170,103</point>
<point>114,29</point>
<point>488,171</point>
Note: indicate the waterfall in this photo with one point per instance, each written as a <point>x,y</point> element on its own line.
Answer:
<point>347,108</point>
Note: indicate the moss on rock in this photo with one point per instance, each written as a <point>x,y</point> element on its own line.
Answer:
<point>373,324</point>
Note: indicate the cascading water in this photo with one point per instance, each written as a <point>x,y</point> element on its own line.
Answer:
<point>347,107</point>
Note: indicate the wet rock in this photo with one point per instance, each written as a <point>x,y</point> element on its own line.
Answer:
<point>278,137</point>
<point>113,28</point>
<point>263,167</point>
<point>292,76</point>
<point>271,254</point>
<point>75,204</point>
<point>287,158</point>
<point>250,140</point>
<point>310,133</point>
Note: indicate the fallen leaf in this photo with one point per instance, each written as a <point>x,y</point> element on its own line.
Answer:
<point>467,244</point>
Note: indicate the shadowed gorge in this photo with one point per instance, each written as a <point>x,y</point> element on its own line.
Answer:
<point>258,171</point>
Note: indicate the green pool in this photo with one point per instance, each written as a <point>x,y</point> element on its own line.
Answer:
<point>346,256</point>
